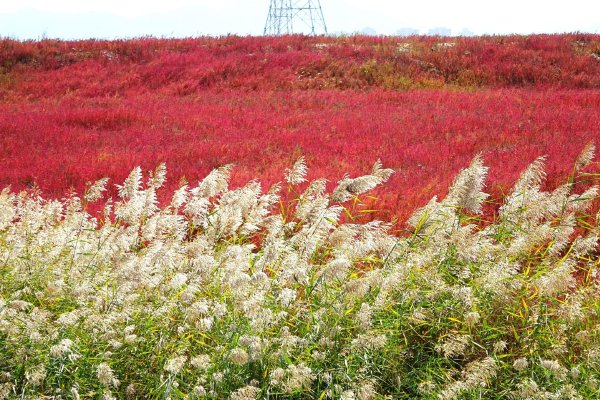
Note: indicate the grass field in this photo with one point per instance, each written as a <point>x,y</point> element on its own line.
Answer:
<point>72,112</point>
<point>458,259</point>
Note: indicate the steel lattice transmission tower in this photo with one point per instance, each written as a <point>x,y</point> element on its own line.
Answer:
<point>285,17</point>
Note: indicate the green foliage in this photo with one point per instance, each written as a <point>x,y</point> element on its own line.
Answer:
<point>234,294</point>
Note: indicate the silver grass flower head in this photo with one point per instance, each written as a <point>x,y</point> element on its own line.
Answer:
<point>363,316</point>
<point>586,156</point>
<point>520,364</point>
<point>158,178</point>
<point>315,188</point>
<point>532,177</point>
<point>558,279</point>
<point>132,184</point>
<point>479,373</point>
<point>363,184</point>
<point>175,364</point>
<point>107,395</point>
<point>75,393</point>
<point>62,348</point>
<point>94,192</point>
<point>529,389</point>
<point>472,318</point>
<point>500,346</point>
<point>131,390</point>
<point>202,362</point>
<point>350,187</point>
<point>296,174</point>
<point>246,393</point>
<point>582,202</point>
<point>299,377</point>
<point>214,183</point>
<point>383,173</point>
<point>239,356</point>
<point>476,374</point>
<point>454,345</point>
<point>106,375</point>
<point>366,391</point>
<point>180,196</point>
<point>466,191</point>
<point>36,375</point>
<point>421,218</point>
<point>555,368</point>
<point>348,395</point>
<point>199,391</point>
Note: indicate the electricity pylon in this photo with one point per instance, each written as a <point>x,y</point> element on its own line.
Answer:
<point>295,16</point>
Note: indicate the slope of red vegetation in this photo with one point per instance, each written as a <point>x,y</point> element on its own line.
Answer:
<point>72,112</point>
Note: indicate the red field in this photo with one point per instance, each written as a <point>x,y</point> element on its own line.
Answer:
<point>72,112</point>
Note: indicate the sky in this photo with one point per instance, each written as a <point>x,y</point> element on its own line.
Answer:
<point>110,19</point>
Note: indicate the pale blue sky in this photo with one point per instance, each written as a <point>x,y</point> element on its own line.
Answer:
<point>77,19</point>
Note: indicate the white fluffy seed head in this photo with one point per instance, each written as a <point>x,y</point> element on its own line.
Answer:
<point>94,192</point>
<point>132,184</point>
<point>296,174</point>
<point>586,156</point>
<point>106,375</point>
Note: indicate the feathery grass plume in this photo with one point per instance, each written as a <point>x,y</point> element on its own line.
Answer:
<point>296,174</point>
<point>313,202</point>
<point>476,374</point>
<point>158,177</point>
<point>136,204</point>
<point>94,192</point>
<point>558,279</point>
<point>465,193</point>
<point>180,197</point>
<point>532,177</point>
<point>36,375</point>
<point>211,296</point>
<point>131,185</point>
<point>466,190</point>
<point>106,375</point>
<point>214,183</point>
<point>586,156</point>
<point>578,203</point>
<point>383,173</point>
<point>525,192</point>
<point>246,393</point>
<point>8,212</point>
<point>350,187</point>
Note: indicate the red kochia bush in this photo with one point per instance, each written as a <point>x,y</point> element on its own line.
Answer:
<point>71,112</point>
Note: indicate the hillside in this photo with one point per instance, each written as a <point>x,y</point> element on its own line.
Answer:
<point>300,218</point>
<point>72,112</point>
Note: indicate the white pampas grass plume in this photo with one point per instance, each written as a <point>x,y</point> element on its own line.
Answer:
<point>158,177</point>
<point>520,364</point>
<point>106,376</point>
<point>296,174</point>
<point>379,171</point>
<point>175,364</point>
<point>532,177</point>
<point>582,202</point>
<point>94,192</point>
<point>246,393</point>
<point>466,191</point>
<point>214,183</point>
<point>348,188</point>
<point>586,156</point>
<point>132,184</point>
<point>179,197</point>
